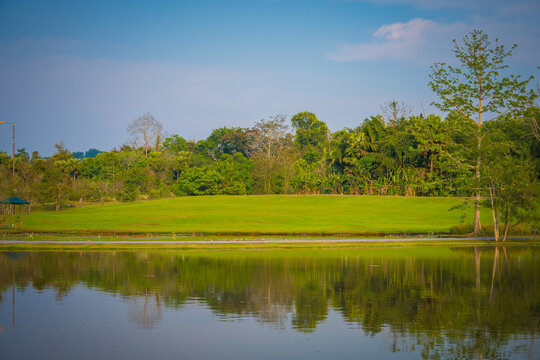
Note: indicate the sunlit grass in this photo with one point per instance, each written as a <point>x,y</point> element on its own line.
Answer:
<point>277,214</point>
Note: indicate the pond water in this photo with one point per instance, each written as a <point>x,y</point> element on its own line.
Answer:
<point>391,303</point>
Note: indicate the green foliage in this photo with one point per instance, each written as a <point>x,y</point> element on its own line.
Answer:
<point>22,153</point>
<point>306,181</point>
<point>310,131</point>
<point>226,141</point>
<point>511,173</point>
<point>478,86</point>
<point>312,136</point>
<point>78,155</point>
<point>231,175</point>
<point>90,153</point>
<point>175,143</point>
<point>200,181</point>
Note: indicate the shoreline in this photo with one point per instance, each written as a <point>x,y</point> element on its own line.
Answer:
<point>256,244</point>
<point>270,241</point>
<point>124,233</point>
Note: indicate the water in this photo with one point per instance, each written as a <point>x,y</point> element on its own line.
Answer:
<point>395,303</point>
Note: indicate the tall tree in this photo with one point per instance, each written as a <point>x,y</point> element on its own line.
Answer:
<point>511,175</point>
<point>476,88</point>
<point>176,143</point>
<point>226,141</point>
<point>270,138</point>
<point>312,136</point>
<point>146,130</point>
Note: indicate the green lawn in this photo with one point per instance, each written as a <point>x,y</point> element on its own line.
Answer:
<point>276,214</point>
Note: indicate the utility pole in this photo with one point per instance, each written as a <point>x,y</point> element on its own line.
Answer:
<point>13,150</point>
<point>13,153</point>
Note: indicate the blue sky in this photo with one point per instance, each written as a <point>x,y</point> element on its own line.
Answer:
<point>80,72</point>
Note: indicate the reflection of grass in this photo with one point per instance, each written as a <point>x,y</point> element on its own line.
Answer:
<point>278,214</point>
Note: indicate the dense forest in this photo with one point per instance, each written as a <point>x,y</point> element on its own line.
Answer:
<point>466,153</point>
<point>413,156</point>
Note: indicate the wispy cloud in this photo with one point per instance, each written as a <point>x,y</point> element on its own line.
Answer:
<point>485,5</point>
<point>417,40</point>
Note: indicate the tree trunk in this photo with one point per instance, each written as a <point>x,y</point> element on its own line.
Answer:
<point>494,212</point>
<point>145,145</point>
<point>477,224</point>
<point>506,223</point>
<point>477,198</point>
<point>506,226</point>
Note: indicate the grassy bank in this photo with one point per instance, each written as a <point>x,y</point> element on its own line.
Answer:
<point>278,214</point>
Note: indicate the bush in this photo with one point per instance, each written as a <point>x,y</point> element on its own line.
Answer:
<point>487,230</point>
<point>200,181</point>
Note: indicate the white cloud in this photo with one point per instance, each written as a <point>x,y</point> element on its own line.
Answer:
<point>411,31</point>
<point>418,41</point>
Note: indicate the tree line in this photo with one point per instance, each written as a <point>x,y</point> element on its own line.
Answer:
<point>486,147</point>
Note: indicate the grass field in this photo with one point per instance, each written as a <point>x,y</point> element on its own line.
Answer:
<point>276,214</point>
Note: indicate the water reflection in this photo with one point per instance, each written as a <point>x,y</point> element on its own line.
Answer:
<point>444,303</point>
<point>145,312</point>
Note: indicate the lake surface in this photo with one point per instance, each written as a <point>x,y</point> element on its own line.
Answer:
<point>369,303</point>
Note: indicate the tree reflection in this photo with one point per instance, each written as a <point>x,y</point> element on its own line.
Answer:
<point>457,303</point>
<point>145,311</point>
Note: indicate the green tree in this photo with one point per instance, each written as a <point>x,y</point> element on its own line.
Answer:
<point>62,153</point>
<point>312,136</point>
<point>175,143</point>
<point>533,118</point>
<point>226,141</point>
<point>200,181</point>
<point>56,185</point>
<point>477,87</point>
<point>23,154</point>
<point>29,183</point>
<point>90,153</point>
<point>236,172</point>
<point>436,148</point>
<point>511,175</point>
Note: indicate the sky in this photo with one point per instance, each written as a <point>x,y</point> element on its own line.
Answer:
<point>80,71</point>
